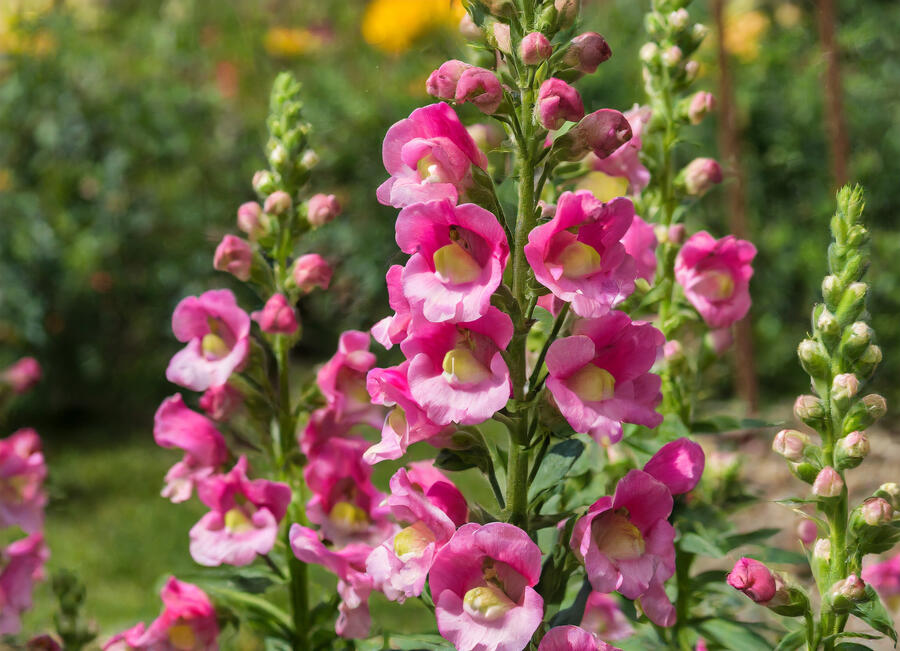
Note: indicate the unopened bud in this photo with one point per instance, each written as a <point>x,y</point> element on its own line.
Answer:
<point>649,53</point>
<point>673,352</point>
<point>469,29</point>
<point>567,11</point>
<point>264,182</point>
<point>234,256</point>
<point>586,52</point>
<point>865,412</point>
<point>277,316</point>
<point>827,324</point>
<point>251,220</point>
<point>679,19</point>
<point>847,592</point>
<point>869,361</point>
<point>809,409</point>
<point>309,159</point>
<point>790,444</point>
<point>602,132</point>
<point>828,483</point>
<point>852,302</point>
<point>699,32</point>
<point>831,291</point>
<point>701,104</point>
<point>501,38</point>
<point>672,56</point>
<point>807,531</point>
<point>278,203</point>
<point>691,70</point>
<point>844,388</point>
<point>700,175</point>
<point>480,87</point>
<point>891,492</point>
<point>822,549</point>
<point>851,450</point>
<point>876,511</point>
<point>321,209</point>
<point>278,156</point>
<point>676,233</point>
<point>535,48</point>
<point>813,358</point>
<point>311,271</point>
<point>442,82</point>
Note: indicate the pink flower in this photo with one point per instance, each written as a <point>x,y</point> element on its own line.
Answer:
<point>754,579</point>
<point>23,375</point>
<point>572,638</point>
<point>535,48</point>
<point>22,474</point>
<point>429,157</point>
<point>625,161</point>
<point>458,257</point>
<point>217,333</point>
<point>603,617</point>
<point>442,82</point>
<point>406,423</point>
<point>884,577</point>
<point>243,520</point>
<point>325,425</point>
<point>482,584</point>
<point>311,271</point>
<point>640,244</point>
<point>557,104</point>
<point>701,104</point>
<point>393,329</point>
<point>21,564</point>
<point>251,220</point>
<point>187,622</point>
<point>456,371</point>
<point>321,209</point>
<point>278,203</point>
<point>578,255</point>
<point>277,316</point>
<point>586,52</point>
<point>176,426</point>
<point>715,275</point>
<point>482,88</point>
<point>700,175</point>
<point>600,378</point>
<point>602,132</point>
<point>342,380</point>
<point>221,402</point>
<point>235,256</point>
<point>678,464</point>
<point>626,543</point>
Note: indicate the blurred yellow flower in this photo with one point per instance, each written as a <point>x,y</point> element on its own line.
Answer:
<point>394,25</point>
<point>743,33</point>
<point>5,179</point>
<point>788,14</point>
<point>289,42</point>
<point>604,187</point>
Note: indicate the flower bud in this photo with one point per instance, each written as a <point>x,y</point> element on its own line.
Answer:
<point>234,256</point>
<point>22,375</point>
<point>720,340</point>
<point>501,37</point>
<point>672,56</point>
<point>277,316</point>
<point>852,303</point>
<point>480,87</point>
<point>809,409</point>
<point>869,361</point>
<point>601,132</point>
<point>807,531</point>
<point>754,579</point>
<point>673,351</point>
<point>221,402</point>
<point>676,233</point>
<point>558,103</point>
<point>649,53</point>
<point>699,32</point>
<point>790,444</point>
<point>499,7</point>
<point>321,209</point>
<point>691,70</point>
<point>822,550</point>
<point>586,52</point>
<point>700,175</point>
<point>851,450</point>
<point>535,49</point>
<point>702,103</point>
<point>831,291</point>
<point>442,82</point>
<point>309,159</point>
<point>264,182</point>
<point>876,511</point>
<point>814,358</point>
<point>311,271</point>
<point>469,29</point>
<point>846,592</point>
<point>251,220</point>
<point>828,483</point>
<point>278,203</point>
<point>679,18</point>
<point>567,11</point>
<point>865,412</point>
<point>844,388</point>
<point>827,324</point>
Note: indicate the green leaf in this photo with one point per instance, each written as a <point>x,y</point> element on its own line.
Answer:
<point>559,460</point>
<point>263,614</point>
<point>696,544</point>
<point>574,613</point>
<point>873,613</point>
<point>672,428</point>
<point>710,576</point>
<point>779,556</point>
<point>792,640</point>
<point>852,646</point>
<point>735,636</point>
<point>722,423</point>
<point>748,538</point>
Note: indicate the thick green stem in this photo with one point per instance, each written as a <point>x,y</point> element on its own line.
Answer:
<point>517,478</point>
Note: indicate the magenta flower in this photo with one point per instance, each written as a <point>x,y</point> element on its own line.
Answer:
<point>277,316</point>
<point>21,565</point>
<point>558,103</point>
<point>884,577</point>
<point>678,464</point>
<point>22,474</point>
<point>626,544</point>
<point>600,376</point>
<point>572,638</point>
<point>625,161</point>
<point>535,48</point>
<point>342,379</point>
<point>482,584</point>
<point>458,257</point>
<point>176,426</point>
<point>715,275</point>
<point>442,82</point>
<point>311,271</point>
<point>186,623</point>
<point>603,617</point>
<point>234,256</point>
<point>217,333</point>
<point>640,243</point>
<point>406,423</point>
<point>429,157</point>
<point>325,425</point>
<point>754,579</point>
<point>586,52</point>
<point>393,329</point>
<point>601,132</point>
<point>243,518</point>
<point>579,256</point>
<point>23,375</point>
<point>456,372</point>
<point>221,402</point>
<point>480,87</point>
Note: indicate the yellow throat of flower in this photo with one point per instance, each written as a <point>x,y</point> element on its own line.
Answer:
<point>456,265</point>
<point>617,537</point>
<point>461,365</point>
<point>593,384</point>
<point>413,540</point>
<point>348,516</point>
<point>182,637</point>
<point>579,260</point>
<point>487,603</point>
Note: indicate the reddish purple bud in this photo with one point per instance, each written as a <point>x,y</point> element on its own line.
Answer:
<point>442,82</point>
<point>678,465</point>
<point>482,88</point>
<point>700,175</point>
<point>311,271</point>
<point>601,132</point>
<point>321,209</point>
<point>586,52</point>
<point>277,316</point>
<point>535,48</point>
<point>676,233</point>
<point>558,103</point>
<point>235,256</point>
<point>702,103</point>
<point>876,511</point>
<point>828,483</point>
<point>807,531</point>
<point>22,375</point>
<point>221,402</point>
<point>754,579</point>
<point>277,203</point>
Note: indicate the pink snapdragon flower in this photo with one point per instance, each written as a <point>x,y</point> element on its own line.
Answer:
<point>221,402</point>
<point>323,427</point>
<point>234,256</point>
<point>277,316</point>
<point>535,48</point>
<point>458,257</point>
<point>406,423</point>
<point>393,329</point>
<point>456,372</point>
<point>640,243</point>
<point>754,579</point>
<point>715,275</point>
<point>602,132</point>
<point>321,209</point>
<point>586,52</point>
<point>627,544</point>
<point>442,82</point>
<point>186,623</point>
<point>342,379</point>
<point>558,103</point>
<point>625,161</point>
<point>177,426</point>
<point>400,565</point>
<point>573,638</point>
<point>884,577</point>
<point>480,87</point>
<point>678,464</point>
<point>21,565</point>
<point>22,474</point>
<point>579,256</point>
<point>603,616</point>
<point>311,271</point>
<point>243,520</point>
<point>217,333</point>
<point>22,375</point>
<point>429,156</point>
<point>482,584</point>
<point>600,376</point>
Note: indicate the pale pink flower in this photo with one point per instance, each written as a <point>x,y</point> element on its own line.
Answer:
<point>701,104</point>
<point>442,82</point>
<point>678,464</point>
<point>700,175</point>
<point>393,329</point>
<point>217,333</point>
<point>277,316</point>
<point>600,376</point>
<point>342,380</point>
<point>579,256</point>
<point>535,48</point>
<point>640,243</point>
<point>22,375</point>
<point>243,518</point>
<point>22,474</point>
<point>458,257</point>
<point>21,565</point>
<point>482,585</point>
<point>625,161</point>
<point>321,209</point>
<point>429,156</point>
<point>278,203</point>
<point>603,617</point>
<point>234,256</point>
<point>558,103</point>
<point>221,402</point>
<point>715,275</point>
<point>480,87</point>
<point>572,638</point>
<point>754,579</point>
<point>311,271</point>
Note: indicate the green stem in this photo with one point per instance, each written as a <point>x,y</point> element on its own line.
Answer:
<point>683,562</point>
<point>517,479</point>
<point>536,373</point>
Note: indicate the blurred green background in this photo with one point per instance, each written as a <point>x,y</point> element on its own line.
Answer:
<point>129,130</point>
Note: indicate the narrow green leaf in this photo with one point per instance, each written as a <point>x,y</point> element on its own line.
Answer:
<point>873,613</point>
<point>748,538</point>
<point>559,460</point>
<point>792,640</point>
<point>735,636</point>
<point>696,544</point>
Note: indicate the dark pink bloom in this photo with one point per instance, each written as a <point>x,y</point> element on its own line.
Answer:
<point>442,82</point>
<point>586,52</point>
<point>22,474</point>
<point>217,333</point>
<point>176,426</point>
<point>456,371</point>
<point>579,256</point>
<point>243,518</point>
<point>603,617</point>
<point>21,565</point>
<point>393,329</point>
<point>602,132</point>
<point>625,161</point>
<point>235,256</point>
<point>626,543</point>
<point>23,375</point>
<point>321,209</point>
<point>600,376</point>
<point>482,584</point>
<point>221,402</point>
<point>311,271</point>
<point>754,579</point>
<point>458,257</point>
<point>572,638</point>
<point>640,244</point>
<point>884,577</point>
<point>325,425</point>
<point>429,157</point>
<point>439,490</point>
<point>678,465</point>
<point>277,316</point>
<point>715,275</point>
<point>558,103</point>
<point>535,48</point>
<point>342,380</point>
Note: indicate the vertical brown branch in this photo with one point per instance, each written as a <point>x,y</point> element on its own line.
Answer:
<point>835,125</point>
<point>730,146</point>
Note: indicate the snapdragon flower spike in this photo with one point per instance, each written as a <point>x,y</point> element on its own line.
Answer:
<point>342,379</point>
<point>177,426</point>
<point>625,161</point>
<point>277,316</point>
<point>22,474</point>
<point>429,156</point>
<point>715,275</point>
<point>187,623</point>
<point>579,256</point>
<point>393,329</point>
<point>600,378</point>
<point>626,544</point>
<point>573,638</point>
<point>482,584</point>
<point>640,243</point>
<point>406,422</point>
<point>678,464</point>
<point>217,333</point>
<point>22,375</point>
<point>21,565</point>
<point>221,402</point>
<point>243,518</point>
<point>458,257</point>
<point>456,372</point>
<point>603,617</point>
